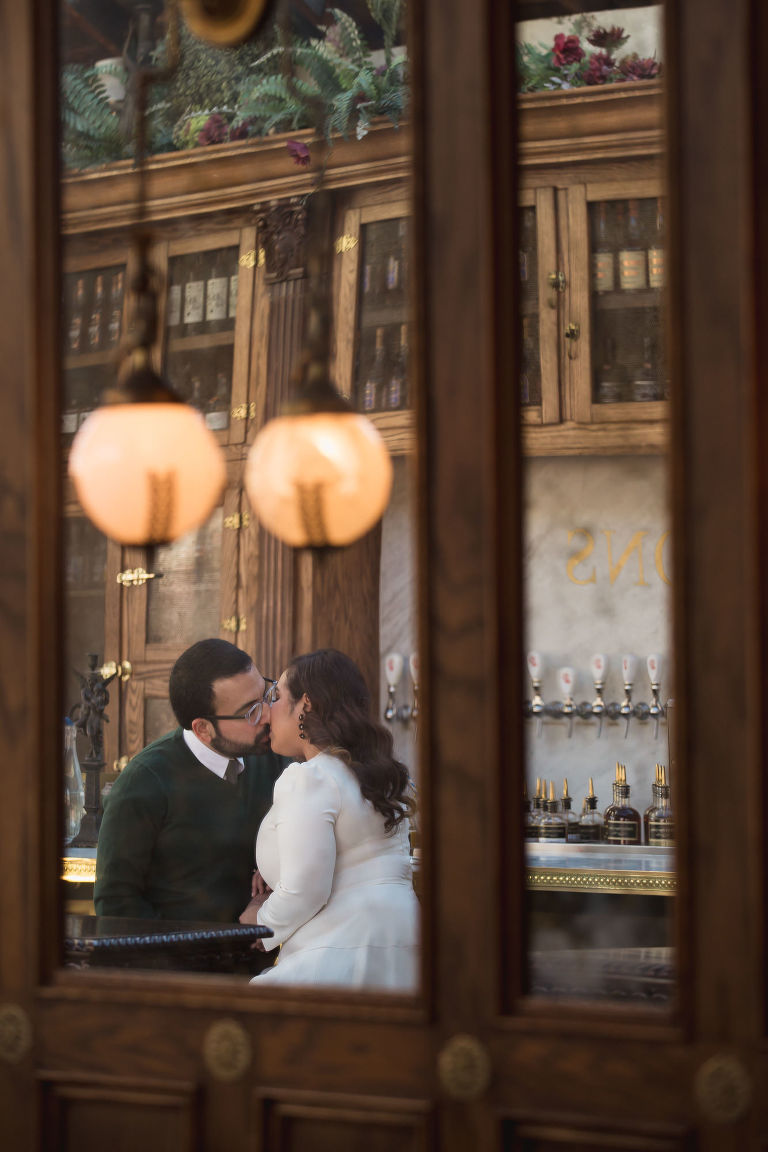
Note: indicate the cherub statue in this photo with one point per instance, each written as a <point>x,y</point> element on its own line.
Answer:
<point>89,713</point>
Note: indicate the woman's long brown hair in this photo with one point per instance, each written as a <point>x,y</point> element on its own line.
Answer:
<point>340,722</point>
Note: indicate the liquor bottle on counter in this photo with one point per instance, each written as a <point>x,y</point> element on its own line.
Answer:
<point>591,822</point>
<point>604,256</point>
<point>656,258</point>
<point>552,825</point>
<point>216,287</point>
<point>97,315</point>
<point>654,802</point>
<point>194,298</point>
<point>633,261</point>
<point>396,388</point>
<point>645,385</point>
<point>375,380</point>
<point>77,319</point>
<point>610,380</point>
<point>661,821</point>
<point>115,308</point>
<point>622,824</point>
<point>570,817</point>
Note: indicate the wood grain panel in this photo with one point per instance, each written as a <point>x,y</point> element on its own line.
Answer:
<point>123,1117</point>
<point>575,1138</point>
<point>308,1123</point>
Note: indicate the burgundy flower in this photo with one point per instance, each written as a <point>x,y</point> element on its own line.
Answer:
<point>608,38</point>
<point>214,131</point>
<point>566,50</point>
<point>299,152</point>
<point>634,67</point>
<point>242,130</point>
<point>599,69</point>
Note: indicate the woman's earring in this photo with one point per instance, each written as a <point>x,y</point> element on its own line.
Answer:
<point>302,733</point>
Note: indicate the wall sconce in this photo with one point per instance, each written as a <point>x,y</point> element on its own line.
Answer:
<point>319,474</point>
<point>393,669</point>
<point>145,467</point>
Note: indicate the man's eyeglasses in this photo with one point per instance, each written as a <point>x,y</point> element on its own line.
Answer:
<point>253,714</point>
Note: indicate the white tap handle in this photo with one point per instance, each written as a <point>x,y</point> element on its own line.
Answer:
<point>535,666</point>
<point>413,664</point>
<point>393,668</point>
<point>598,665</point>
<point>566,678</point>
<point>654,669</point>
<point>628,668</point>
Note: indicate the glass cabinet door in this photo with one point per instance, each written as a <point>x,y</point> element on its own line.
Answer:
<point>541,286</point>
<point>209,285</point>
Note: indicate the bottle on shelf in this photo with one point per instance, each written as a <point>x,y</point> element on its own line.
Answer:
<point>552,824</point>
<point>604,256</point>
<point>97,315</point>
<point>533,818</point>
<point>233,285</point>
<point>216,286</point>
<point>644,385</point>
<point>661,821</point>
<point>394,276</point>
<point>654,802</point>
<point>70,413</point>
<point>570,817</point>
<point>610,378</point>
<point>633,261</point>
<point>397,385</point>
<point>621,822</point>
<point>115,307</point>
<point>77,318</point>
<point>591,822</point>
<point>175,293</point>
<point>217,409</point>
<point>371,278</point>
<point>196,393</point>
<point>194,298</point>
<point>656,250</point>
<point>375,379</point>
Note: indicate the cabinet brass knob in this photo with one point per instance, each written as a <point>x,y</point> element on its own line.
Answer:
<point>227,1050</point>
<point>723,1089</point>
<point>557,286</point>
<point>464,1067</point>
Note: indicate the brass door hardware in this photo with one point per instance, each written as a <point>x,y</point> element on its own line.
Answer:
<point>133,577</point>
<point>244,411</point>
<point>233,624</point>
<point>253,258</point>
<point>723,1089</point>
<point>572,334</point>
<point>227,1050</point>
<point>238,521</point>
<point>345,243</point>
<point>557,286</point>
<point>123,670</point>
<point>464,1067</point>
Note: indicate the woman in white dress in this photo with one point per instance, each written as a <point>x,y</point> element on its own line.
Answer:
<point>333,878</point>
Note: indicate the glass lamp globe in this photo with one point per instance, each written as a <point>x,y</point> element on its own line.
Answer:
<point>319,478</point>
<point>146,470</point>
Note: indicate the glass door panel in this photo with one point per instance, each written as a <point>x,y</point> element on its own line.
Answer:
<point>598,828</point>
<point>183,604</point>
<point>381,367</point>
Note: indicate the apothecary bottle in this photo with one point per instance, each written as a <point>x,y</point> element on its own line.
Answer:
<point>552,825</point>
<point>591,822</point>
<point>661,821</point>
<point>621,821</point>
<point>570,817</point>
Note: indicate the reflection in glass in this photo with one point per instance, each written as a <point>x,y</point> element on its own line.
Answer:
<point>599,819</point>
<point>184,602</point>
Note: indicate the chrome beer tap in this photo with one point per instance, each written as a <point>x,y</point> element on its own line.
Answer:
<point>535,671</point>
<point>598,665</point>
<point>393,669</point>
<point>413,668</point>
<point>566,678</point>
<point>656,708</point>
<point>628,668</point>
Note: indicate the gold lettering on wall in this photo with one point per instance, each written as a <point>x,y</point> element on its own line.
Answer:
<point>587,549</point>
<point>636,543</point>
<point>659,556</point>
<point>580,556</point>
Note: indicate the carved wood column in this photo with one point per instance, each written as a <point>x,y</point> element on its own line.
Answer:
<point>304,600</point>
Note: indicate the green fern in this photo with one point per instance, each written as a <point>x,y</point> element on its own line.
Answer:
<point>90,129</point>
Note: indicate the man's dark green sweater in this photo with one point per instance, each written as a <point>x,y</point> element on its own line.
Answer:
<point>176,841</point>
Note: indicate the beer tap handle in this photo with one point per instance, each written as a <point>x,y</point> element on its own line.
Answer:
<point>566,678</point>
<point>393,670</point>
<point>628,669</point>
<point>598,665</point>
<point>535,671</point>
<point>656,710</point>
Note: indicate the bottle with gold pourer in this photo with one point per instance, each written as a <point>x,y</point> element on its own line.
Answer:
<point>534,816</point>
<point>570,817</point>
<point>622,823</point>
<point>661,821</point>
<point>654,802</point>
<point>552,825</point>
<point>591,822</point>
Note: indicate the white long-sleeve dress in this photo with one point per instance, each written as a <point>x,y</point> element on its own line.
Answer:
<point>342,906</point>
